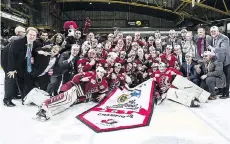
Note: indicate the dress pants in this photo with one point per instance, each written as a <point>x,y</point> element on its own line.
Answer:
<point>25,83</point>
<point>209,85</point>
<point>227,75</point>
<point>10,87</point>
<point>53,86</point>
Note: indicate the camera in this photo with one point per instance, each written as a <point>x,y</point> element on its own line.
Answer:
<point>71,32</point>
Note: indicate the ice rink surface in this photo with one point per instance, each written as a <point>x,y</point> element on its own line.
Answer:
<point>171,123</point>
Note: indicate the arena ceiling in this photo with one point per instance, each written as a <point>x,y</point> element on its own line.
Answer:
<point>175,10</point>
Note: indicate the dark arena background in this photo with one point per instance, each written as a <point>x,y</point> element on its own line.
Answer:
<point>115,71</point>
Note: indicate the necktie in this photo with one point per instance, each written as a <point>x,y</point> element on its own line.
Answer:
<point>29,69</point>
<point>178,59</point>
<point>214,42</point>
<point>206,68</point>
<point>188,67</point>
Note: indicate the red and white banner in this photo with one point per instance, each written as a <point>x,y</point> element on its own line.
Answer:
<point>122,109</point>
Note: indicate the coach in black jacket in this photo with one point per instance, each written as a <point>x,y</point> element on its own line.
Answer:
<point>19,66</point>
<point>68,61</point>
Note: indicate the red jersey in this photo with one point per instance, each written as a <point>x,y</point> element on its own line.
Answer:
<point>170,60</point>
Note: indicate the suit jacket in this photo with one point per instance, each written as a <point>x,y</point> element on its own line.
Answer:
<point>222,49</point>
<point>192,72</point>
<point>208,40</point>
<point>64,65</point>
<point>215,70</point>
<point>17,56</point>
<point>57,70</point>
<point>182,58</point>
<point>4,54</point>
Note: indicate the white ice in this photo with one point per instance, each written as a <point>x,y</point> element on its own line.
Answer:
<point>171,123</point>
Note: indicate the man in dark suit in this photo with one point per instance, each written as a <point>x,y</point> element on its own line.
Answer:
<point>202,41</point>
<point>21,59</point>
<point>45,67</point>
<point>188,69</point>
<point>179,55</point>
<point>220,45</point>
<point>10,86</point>
<point>212,74</point>
<point>68,61</point>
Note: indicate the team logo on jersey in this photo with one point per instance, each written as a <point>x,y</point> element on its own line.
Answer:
<point>93,81</point>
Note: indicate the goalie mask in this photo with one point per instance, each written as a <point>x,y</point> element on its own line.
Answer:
<point>162,67</point>
<point>128,40</point>
<point>110,37</point>
<point>172,34</point>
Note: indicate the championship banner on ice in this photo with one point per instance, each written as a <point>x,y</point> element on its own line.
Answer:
<point>122,109</point>
<point>186,91</point>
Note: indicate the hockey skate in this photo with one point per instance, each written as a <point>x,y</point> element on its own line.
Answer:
<point>195,103</point>
<point>161,98</point>
<point>41,115</point>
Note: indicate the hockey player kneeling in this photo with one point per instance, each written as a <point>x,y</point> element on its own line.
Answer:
<point>163,78</point>
<point>83,87</point>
